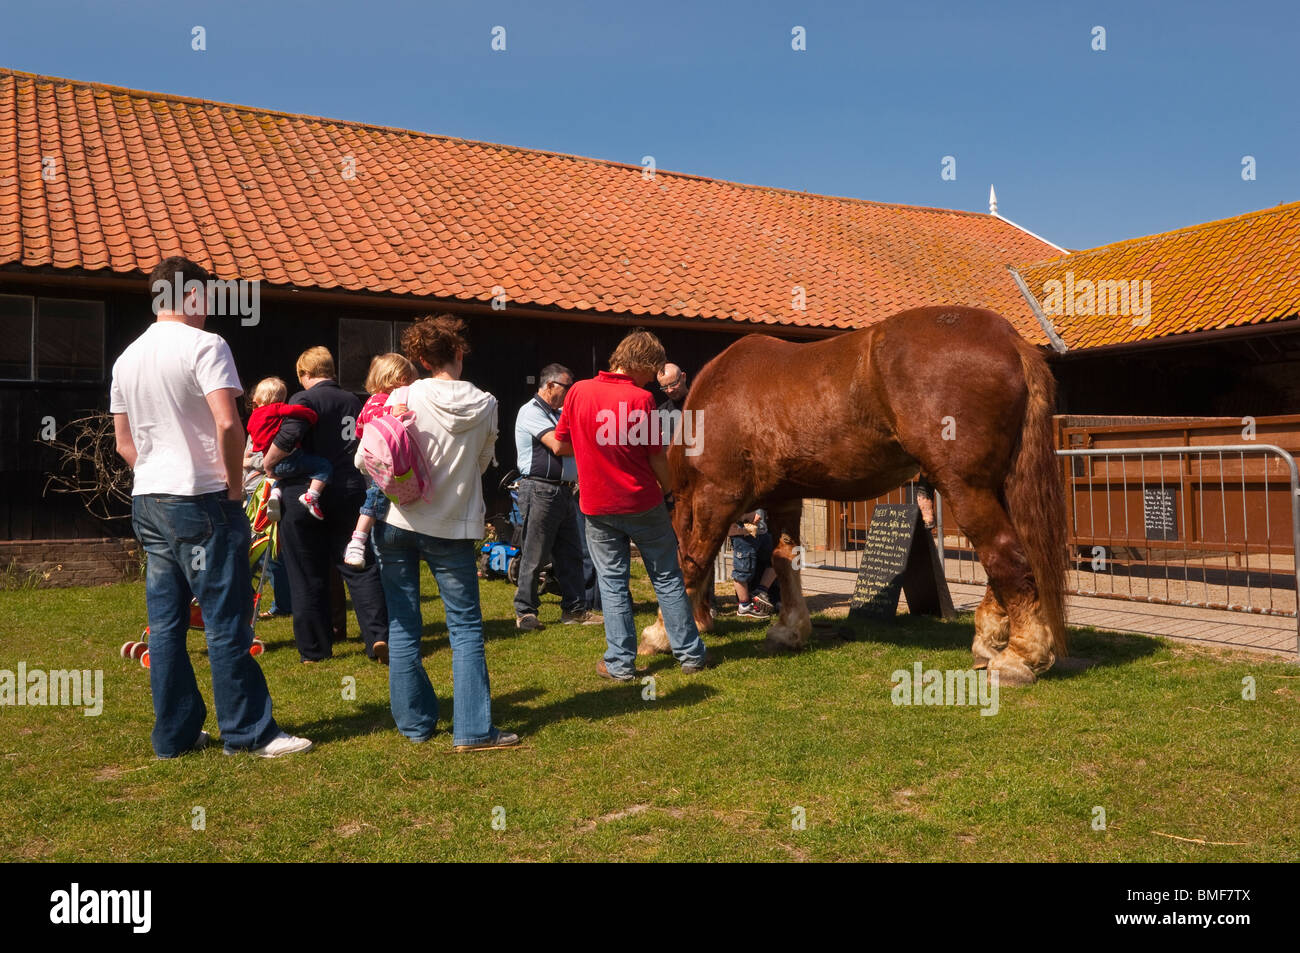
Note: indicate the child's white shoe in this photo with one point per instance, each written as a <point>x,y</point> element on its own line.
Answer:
<point>273,508</point>
<point>355,554</point>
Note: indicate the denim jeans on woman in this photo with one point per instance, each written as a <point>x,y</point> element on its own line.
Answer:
<point>414,703</point>
<point>199,545</point>
<point>608,538</point>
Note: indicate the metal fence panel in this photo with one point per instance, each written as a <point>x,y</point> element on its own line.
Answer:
<point>1211,526</point>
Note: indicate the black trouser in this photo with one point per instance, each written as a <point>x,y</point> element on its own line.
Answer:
<point>309,547</point>
<point>550,531</point>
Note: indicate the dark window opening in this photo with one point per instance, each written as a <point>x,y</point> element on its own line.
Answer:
<point>17,321</point>
<point>51,339</point>
<point>360,342</point>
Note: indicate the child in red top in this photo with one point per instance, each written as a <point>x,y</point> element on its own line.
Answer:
<point>263,425</point>
<point>389,376</point>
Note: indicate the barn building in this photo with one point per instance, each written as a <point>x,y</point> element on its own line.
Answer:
<point>351,230</point>
<point>1219,337</point>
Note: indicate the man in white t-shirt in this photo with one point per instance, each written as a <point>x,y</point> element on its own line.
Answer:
<point>177,425</point>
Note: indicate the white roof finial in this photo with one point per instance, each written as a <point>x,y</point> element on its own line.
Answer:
<point>993,201</point>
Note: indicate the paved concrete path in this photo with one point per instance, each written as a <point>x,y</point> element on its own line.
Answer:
<point>828,591</point>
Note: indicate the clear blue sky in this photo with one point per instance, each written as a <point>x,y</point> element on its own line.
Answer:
<point>1084,147</point>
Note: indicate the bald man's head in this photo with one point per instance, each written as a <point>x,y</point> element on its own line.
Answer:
<point>672,380</point>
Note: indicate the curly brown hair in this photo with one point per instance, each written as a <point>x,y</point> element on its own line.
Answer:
<point>434,340</point>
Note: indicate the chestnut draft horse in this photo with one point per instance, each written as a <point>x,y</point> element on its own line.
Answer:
<point>953,392</point>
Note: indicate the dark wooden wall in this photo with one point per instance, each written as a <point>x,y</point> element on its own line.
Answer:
<point>1232,378</point>
<point>26,511</point>
<point>506,351</point>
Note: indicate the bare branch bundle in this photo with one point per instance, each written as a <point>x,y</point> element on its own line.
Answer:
<point>89,467</point>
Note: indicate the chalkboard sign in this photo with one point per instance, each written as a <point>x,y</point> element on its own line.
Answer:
<point>1159,514</point>
<point>899,555</point>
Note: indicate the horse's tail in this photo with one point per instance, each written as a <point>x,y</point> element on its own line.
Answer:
<point>1036,495</point>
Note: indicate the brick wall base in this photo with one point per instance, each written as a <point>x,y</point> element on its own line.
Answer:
<point>51,563</point>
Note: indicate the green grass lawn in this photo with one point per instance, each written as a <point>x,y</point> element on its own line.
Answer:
<point>714,768</point>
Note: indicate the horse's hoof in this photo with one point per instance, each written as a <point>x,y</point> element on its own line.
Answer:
<point>1012,670</point>
<point>781,637</point>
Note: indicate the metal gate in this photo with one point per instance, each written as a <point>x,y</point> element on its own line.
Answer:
<point>1210,526</point>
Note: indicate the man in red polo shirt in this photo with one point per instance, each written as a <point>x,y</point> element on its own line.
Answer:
<point>610,426</point>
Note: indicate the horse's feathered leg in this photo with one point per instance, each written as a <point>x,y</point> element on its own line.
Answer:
<point>701,518</point>
<point>992,629</point>
<point>792,629</point>
<point>1029,647</point>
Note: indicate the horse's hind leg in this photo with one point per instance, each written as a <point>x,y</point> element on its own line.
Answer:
<point>793,628</point>
<point>992,629</point>
<point>1010,611</point>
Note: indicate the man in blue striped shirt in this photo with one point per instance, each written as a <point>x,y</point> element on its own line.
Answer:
<point>546,503</point>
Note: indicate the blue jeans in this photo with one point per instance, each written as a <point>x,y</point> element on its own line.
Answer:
<point>376,504</point>
<point>411,696</point>
<point>199,545</point>
<point>299,464</point>
<point>608,538</point>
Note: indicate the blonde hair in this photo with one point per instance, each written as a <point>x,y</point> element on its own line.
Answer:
<point>316,362</point>
<point>639,351</point>
<point>388,372</point>
<point>269,390</point>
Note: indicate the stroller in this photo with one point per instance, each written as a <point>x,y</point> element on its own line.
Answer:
<point>500,553</point>
<point>263,547</point>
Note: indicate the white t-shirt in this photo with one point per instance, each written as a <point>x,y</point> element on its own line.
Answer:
<point>161,383</point>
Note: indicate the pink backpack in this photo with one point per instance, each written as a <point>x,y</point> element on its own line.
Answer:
<point>393,459</point>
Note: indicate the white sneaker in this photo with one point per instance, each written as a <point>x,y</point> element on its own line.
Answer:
<point>273,508</point>
<point>355,554</point>
<point>282,744</point>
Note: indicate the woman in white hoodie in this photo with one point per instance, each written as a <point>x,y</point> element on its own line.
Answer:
<point>456,431</point>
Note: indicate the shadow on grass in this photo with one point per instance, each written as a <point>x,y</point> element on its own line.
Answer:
<point>608,701</point>
<point>512,710</point>
<point>1088,648</point>
<point>733,639</point>
<point>1107,648</point>
<point>435,638</point>
<point>504,628</point>
<point>371,718</point>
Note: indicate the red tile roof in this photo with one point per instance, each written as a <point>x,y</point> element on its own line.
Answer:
<point>256,194</point>
<point>1226,274</point>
